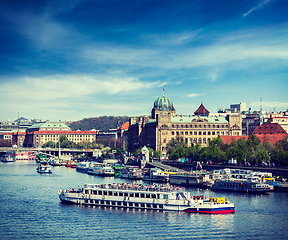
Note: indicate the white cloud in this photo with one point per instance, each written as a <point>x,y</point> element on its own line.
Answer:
<point>259,6</point>
<point>194,95</point>
<point>57,87</point>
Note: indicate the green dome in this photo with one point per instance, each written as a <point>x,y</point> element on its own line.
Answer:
<point>163,104</point>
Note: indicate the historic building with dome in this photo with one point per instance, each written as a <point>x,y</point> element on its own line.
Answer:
<point>164,125</point>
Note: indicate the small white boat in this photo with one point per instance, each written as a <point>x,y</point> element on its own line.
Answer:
<point>43,167</point>
<point>7,158</point>
<point>153,197</point>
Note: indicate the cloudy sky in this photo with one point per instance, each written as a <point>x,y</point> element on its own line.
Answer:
<point>69,60</point>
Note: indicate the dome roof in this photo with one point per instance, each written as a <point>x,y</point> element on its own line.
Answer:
<point>163,104</point>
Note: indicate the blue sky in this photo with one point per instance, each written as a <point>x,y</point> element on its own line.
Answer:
<point>69,60</point>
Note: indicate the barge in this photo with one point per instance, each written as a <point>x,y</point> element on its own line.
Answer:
<point>154,197</point>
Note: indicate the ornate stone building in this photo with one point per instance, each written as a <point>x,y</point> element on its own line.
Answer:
<point>164,125</point>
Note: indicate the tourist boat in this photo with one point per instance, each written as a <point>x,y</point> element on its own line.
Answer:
<point>154,197</point>
<point>83,167</point>
<point>250,184</point>
<point>101,169</point>
<point>43,167</point>
<point>7,158</point>
<point>131,172</point>
<point>155,175</point>
<point>200,179</point>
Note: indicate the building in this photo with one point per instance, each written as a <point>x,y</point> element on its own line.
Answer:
<point>165,125</point>
<point>115,137</point>
<point>40,133</point>
<point>281,120</point>
<point>238,108</point>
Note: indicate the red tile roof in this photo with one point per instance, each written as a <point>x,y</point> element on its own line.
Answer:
<point>201,109</point>
<point>269,128</point>
<point>125,126</point>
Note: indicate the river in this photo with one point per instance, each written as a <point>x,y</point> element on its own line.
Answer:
<point>30,209</point>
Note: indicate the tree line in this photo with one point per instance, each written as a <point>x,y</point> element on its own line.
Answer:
<point>250,151</point>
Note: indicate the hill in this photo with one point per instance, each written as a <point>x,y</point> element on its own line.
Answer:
<point>99,123</point>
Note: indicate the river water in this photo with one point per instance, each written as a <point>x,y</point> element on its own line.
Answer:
<point>30,209</point>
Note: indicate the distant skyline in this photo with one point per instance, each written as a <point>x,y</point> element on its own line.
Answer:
<point>69,60</point>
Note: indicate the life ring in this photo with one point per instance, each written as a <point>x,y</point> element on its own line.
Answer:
<point>166,201</point>
<point>196,200</point>
<point>103,197</point>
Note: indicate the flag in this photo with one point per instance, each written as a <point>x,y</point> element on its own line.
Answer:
<point>164,89</point>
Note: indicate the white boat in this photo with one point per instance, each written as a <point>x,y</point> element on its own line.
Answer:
<point>101,169</point>
<point>156,175</point>
<point>43,167</point>
<point>154,197</point>
<point>83,167</point>
<point>7,158</point>
<point>249,184</point>
<point>131,172</point>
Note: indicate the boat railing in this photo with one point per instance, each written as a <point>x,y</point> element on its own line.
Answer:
<point>137,187</point>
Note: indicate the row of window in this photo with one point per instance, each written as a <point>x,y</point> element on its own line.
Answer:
<point>200,126</point>
<point>125,194</point>
<point>124,204</point>
<point>199,133</point>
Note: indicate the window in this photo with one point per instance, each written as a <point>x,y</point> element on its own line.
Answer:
<point>165,196</point>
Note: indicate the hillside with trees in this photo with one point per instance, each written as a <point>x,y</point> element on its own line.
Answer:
<point>103,123</point>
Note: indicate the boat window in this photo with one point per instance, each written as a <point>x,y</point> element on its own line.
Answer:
<point>115,194</point>
<point>99,192</point>
<point>95,192</point>
<point>165,196</point>
<point>104,192</point>
<point>131,204</point>
<point>126,194</point>
<point>120,194</point>
<point>136,194</point>
<point>158,196</point>
<point>86,191</point>
<point>142,195</point>
<point>131,194</point>
<point>153,195</point>
<point>110,193</point>
<point>142,205</point>
<point>147,195</point>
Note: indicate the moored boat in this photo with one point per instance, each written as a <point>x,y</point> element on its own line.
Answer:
<point>154,197</point>
<point>101,169</point>
<point>155,175</point>
<point>201,179</point>
<point>83,167</point>
<point>7,158</point>
<point>131,172</point>
<point>250,184</point>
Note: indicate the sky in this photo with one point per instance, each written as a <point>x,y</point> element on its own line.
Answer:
<point>70,60</point>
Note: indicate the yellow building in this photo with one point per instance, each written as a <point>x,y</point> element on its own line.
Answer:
<point>164,125</point>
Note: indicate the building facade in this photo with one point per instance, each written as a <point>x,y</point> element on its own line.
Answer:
<point>165,125</point>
